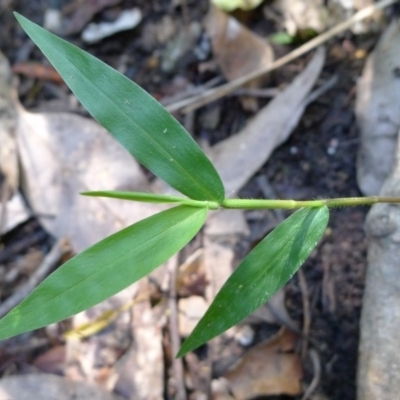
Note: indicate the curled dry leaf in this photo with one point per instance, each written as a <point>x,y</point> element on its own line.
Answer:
<point>238,51</point>
<point>270,368</point>
<point>378,111</point>
<point>63,155</point>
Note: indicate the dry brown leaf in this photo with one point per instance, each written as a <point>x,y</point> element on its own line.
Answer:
<point>275,312</point>
<point>83,12</point>
<point>38,71</point>
<point>378,111</point>
<point>270,368</point>
<point>63,155</point>
<point>52,361</point>
<point>237,50</point>
<point>50,387</point>
<point>191,279</point>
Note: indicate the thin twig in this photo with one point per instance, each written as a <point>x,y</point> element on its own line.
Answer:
<point>177,365</point>
<point>185,14</point>
<point>306,312</point>
<point>48,263</point>
<point>169,102</point>
<point>329,84</point>
<point>192,104</point>
<point>263,93</point>
<point>317,374</point>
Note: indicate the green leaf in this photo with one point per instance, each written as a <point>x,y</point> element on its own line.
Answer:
<point>261,274</point>
<point>132,116</point>
<point>282,38</point>
<point>135,196</point>
<point>105,269</point>
<point>152,198</point>
<point>230,5</point>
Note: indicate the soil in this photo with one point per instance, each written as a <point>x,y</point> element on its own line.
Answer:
<point>318,161</point>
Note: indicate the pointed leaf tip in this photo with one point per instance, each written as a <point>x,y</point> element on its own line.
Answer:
<point>133,117</point>
<point>105,269</point>
<point>261,274</point>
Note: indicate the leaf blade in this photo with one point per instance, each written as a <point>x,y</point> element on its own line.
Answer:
<point>105,269</point>
<point>135,196</point>
<point>254,281</point>
<point>159,141</point>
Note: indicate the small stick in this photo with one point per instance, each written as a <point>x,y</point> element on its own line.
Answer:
<point>263,93</point>
<point>185,14</point>
<point>306,312</point>
<point>48,263</point>
<point>317,374</point>
<point>177,365</point>
<point>169,101</point>
<point>329,84</point>
<point>192,104</point>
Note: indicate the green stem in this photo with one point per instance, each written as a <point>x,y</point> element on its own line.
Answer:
<point>244,204</point>
<point>250,204</point>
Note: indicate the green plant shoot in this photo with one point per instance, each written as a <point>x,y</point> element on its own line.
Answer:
<point>161,144</point>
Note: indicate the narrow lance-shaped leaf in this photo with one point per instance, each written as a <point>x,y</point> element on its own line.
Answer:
<point>132,116</point>
<point>136,196</point>
<point>105,269</point>
<point>152,198</point>
<point>261,274</point>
